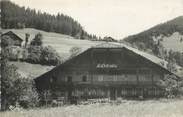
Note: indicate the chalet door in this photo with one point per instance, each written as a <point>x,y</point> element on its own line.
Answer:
<point>113,93</point>
<point>145,92</point>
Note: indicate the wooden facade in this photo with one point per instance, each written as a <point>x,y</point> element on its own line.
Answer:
<point>15,39</point>
<point>104,73</point>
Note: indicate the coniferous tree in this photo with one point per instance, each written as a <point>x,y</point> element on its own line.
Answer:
<point>14,16</point>
<point>37,41</point>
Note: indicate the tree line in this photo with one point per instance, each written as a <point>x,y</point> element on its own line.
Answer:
<point>14,16</point>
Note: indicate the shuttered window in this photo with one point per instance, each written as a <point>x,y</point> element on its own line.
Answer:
<point>84,78</point>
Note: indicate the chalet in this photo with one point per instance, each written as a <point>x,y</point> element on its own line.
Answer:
<point>108,71</point>
<point>17,41</point>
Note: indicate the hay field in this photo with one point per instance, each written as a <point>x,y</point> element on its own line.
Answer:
<point>151,108</point>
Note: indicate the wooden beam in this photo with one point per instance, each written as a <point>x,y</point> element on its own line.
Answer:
<point>137,73</point>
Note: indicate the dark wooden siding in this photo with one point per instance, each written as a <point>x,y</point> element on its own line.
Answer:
<point>116,72</point>
<point>17,41</point>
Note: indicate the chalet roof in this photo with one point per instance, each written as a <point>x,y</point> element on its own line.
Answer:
<point>146,55</point>
<point>108,45</point>
<point>149,57</point>
<point>121,45</point>
<point>11,32</point>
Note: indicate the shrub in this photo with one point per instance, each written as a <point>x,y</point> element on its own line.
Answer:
<point>42,55</point>
<point>170,85</point>
<point>37,41</point>
<point>14,87</point>
<point>14,53</point>
<point>34,54</point>
<point>24,55</point>
<point>171,66</point>
<point>29,97</point>
<point>6,41</point>
<point>49,56</point>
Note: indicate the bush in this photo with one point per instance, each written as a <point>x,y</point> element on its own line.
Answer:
<point>29,97</point>
<point>43,55</point>
<point>171,86</point>
<point>24,55</point>
<point>49,56</point>
<point>14,53</point>
<point>34,54</point>
<point>16,89</point>
<point>171,66</point>
<point>37,41</point>
<point>6,41</point>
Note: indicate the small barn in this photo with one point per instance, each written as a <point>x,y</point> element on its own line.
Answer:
<point>17,41</point>
<point>105,71</point>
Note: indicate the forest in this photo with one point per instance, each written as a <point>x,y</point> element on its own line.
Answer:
<point>166,29</point>
<point>14,16</point>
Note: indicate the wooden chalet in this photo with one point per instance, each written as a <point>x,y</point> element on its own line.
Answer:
<point>17,41</point>
<point>104,71</point>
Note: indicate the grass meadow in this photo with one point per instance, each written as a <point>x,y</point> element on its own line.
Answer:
<point>149,108</point>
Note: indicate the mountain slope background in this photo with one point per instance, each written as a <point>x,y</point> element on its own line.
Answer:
<point>161,40</point>
<point>62,32</point>
<point>170,33</point>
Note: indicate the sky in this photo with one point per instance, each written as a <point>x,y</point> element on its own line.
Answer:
<point>115,18</point>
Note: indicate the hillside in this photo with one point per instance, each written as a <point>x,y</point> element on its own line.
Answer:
<point>169,33</point>
<point>164,40</point>
<point>31,70</point>
<point>173,42</point>
<point>60,42</point>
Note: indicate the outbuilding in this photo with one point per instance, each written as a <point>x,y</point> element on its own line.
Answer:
<point>15,39</point>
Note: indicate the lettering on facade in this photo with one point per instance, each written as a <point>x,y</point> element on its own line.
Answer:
<point>107,66</point>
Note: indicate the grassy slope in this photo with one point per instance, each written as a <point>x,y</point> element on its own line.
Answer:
<point>173,42</point>
<point>152,108</point>
<point>33,70</point>
<point>62,43</point>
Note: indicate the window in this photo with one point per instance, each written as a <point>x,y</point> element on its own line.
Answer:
<point>115,78</point>
<point>100,78</point>
<point>69,79</point>
<point>84,78</point>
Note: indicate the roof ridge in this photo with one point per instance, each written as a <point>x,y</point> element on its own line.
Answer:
<point>108,45</point>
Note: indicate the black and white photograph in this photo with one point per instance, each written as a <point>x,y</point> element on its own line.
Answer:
<point>91,58</point>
